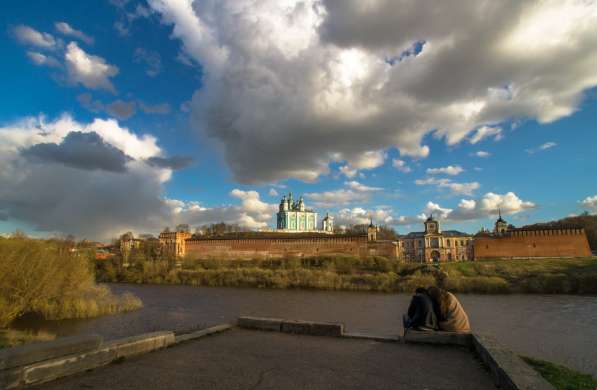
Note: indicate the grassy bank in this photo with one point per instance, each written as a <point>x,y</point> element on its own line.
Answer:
<point>12,337</point>
<point>562,378</point>
<point>542,276</point>
<point>341,272</point>
<point>47,278</point>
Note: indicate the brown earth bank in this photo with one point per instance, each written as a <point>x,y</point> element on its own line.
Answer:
<point>342,272</point>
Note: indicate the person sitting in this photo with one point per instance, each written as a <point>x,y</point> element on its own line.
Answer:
<point>421,315</point>
<point>452,317</point>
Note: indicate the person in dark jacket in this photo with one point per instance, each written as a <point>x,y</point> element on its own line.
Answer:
<point>421,314</point>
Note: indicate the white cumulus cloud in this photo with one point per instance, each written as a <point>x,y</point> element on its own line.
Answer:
<point>89,70</point>
<point>313,76</point>
<point>486,132</point>
<point>355,185</point>
<point>42,59</point>
<point>542,147</point>
<point>31,36</point>
<point>456,188</point>
<point>65,29</point>
<point>452,170</point>
<point>99,179</point>
<point>401,165</point>
<point>590,203</point>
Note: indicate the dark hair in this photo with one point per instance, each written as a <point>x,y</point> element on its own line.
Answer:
<point>421,290</point>
<point>441,298</point>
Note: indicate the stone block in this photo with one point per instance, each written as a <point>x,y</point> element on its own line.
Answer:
<point>58,367</point>
<point>442,338</point>
<point>312,328</point>
<point>272,324</point>
<point>135,345</point>
<point>202,333</point>
<point>69,365</point>
<point>373,337</point>
<point>508,370</point>
<point>36,352</point>
<point>10,378</point>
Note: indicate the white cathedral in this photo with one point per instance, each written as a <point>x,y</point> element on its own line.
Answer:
<point>294,217</point>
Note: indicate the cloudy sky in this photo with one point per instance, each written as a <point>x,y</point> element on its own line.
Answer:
<point>139,114</point>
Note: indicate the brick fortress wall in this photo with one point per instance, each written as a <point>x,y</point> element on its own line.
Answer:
<point>533,243</point>
<point>249,248</point>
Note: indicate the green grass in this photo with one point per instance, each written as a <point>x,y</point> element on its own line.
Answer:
<point>562,378</point>
<point>344,272</point>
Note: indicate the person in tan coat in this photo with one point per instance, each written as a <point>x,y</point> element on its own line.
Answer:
<point>452,317</point>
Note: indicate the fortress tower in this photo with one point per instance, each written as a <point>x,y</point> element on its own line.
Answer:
<point>327,223</point>
<point>371,231</point>
<point>501,226</point>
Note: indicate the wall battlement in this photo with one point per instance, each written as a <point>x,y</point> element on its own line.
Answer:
<point>533,243</point>
<point>267,247</point>
<point>545,232</point>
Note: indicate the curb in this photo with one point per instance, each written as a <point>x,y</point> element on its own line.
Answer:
<point>508,370</point>
<point>292,326</point>
<point>202,333</point>
<point>42,362</point>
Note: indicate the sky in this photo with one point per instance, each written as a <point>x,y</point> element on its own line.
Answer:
<point>134,115</point>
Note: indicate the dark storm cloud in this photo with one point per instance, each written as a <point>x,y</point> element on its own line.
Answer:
<point>174,162</point>
<point>86,151</point>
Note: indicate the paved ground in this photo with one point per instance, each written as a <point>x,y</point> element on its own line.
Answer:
<point>243,359</point>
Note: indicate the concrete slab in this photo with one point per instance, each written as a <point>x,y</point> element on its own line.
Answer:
<point>245,359</point>
<point>373,337</point>
<point>202,333</point>
<point>273,324</point>
<point>509,371</point>
<point>37,352</point>
<point>312,328</point>
<point>441,338</point>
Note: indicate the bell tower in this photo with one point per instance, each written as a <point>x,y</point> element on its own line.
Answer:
<point>501,226</point>
<point>432,226</point>
<point>371,231</point>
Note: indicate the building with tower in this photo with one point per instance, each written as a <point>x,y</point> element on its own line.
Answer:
<point>327,223</point>
<point>501,226</point>
<point>435,245</point>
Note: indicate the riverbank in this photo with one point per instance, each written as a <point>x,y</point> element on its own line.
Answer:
<point>542,276</point>
<point>561,377</point>
<point>13,337</point>
<point>50,279</point>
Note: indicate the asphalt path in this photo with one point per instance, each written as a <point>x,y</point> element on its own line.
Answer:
<point>244,359</point>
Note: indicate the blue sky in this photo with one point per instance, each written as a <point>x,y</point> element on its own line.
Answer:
<point>258,99</point>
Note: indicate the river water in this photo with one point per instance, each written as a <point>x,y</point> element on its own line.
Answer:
<point>559,328</point>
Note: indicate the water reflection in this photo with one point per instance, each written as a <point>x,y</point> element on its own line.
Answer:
<point>560,328</point>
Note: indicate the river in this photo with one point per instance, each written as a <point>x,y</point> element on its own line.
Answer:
<point>559,328</point>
